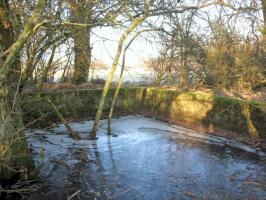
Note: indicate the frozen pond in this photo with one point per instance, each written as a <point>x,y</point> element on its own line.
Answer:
<point>146,159</point>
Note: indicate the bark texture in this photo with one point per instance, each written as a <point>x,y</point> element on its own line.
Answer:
<point>14,155</point>
<point>120,82</point>
<point>81,13</point>
<point>122,39</point>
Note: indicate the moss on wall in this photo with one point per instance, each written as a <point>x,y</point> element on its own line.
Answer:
<point>244,117</point>
<point>71,104</point>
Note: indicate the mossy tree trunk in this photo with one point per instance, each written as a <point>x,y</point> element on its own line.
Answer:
<point>183,70</point>
<point>109,131</point>
<point>264,17</point>
<point>120,82</point>
<point>48,67</point>
<point>81,13</point>
<point>137,21</point>
<point>253,132</point>
<point>14,155</point>
<point>71,132</point>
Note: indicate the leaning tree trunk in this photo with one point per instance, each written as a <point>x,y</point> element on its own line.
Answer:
<point>120,81</point>
<point>81,13</point>
<point>14,154</point>
<point>122,39</point>
<point>109,131</point>
<point>264,17</point>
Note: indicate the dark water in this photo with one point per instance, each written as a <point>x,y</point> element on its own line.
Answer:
<point>147,160</point>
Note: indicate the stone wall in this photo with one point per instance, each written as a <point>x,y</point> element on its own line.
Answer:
<point>243,117</point>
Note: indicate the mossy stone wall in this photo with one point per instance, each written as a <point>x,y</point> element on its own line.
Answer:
<point>244,117</point>
<point>72,105</point>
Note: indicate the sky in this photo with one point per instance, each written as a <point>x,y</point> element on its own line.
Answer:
<point>104,43</point>
<point>105,40</point>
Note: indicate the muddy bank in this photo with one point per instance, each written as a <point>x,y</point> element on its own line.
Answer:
<point>146,159</point>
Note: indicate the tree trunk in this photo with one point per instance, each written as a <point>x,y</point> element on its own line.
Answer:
<point>182,74</point>
<point>123,37</point>
<point>81,13</point>
<point>264,17</point>
<point>15,159</point>
<point>71,132</point>
<point>120,82</point>
<point>44,77</point>
<point>14,155</point>
<point>13,147</point>
<point>183,68</point>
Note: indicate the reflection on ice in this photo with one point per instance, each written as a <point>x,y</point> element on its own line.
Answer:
<point>147,160</point>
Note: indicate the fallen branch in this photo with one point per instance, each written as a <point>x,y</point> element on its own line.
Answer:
<point>71,132</point>
<point>73,195</point>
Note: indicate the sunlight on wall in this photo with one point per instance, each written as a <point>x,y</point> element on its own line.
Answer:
<point>190,109</point>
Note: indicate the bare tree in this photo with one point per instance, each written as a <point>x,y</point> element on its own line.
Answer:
<point>12,139</point>
<point>120,81</point>
<point>136,21</point>
<point>81,12</point>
